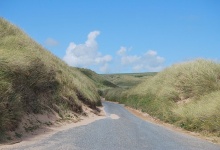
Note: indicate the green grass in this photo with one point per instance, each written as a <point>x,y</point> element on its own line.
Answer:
<point>201,114</point>
<point>101,83</point>
<point>128,80</point>
<point>185,94</point>
<point>32,80</point>
<point>98,79</point>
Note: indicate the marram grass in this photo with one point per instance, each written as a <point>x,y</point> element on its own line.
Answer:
<point>185,94</point>
<point>33,80</point>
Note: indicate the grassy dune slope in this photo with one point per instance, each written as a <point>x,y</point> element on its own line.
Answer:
<point>99,80</point>
<point>186,94</point>
<point>101,83</point>
<point>32,80</point>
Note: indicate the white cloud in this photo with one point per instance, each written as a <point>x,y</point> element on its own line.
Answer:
<point>87,55</point>
<point>127,60</point>
<point>149,61</point>
<point>51,42</point>
<point>103,59</point>
<point>105,68</point>
<point>122,51</point>
<point>151,53</point>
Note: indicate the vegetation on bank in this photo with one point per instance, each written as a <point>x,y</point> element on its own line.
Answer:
<point>185,94</point>
<point>32,80</point>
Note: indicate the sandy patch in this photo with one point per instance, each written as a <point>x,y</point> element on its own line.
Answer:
<point>47,131</point>
<point>147,117</point>
<point>114,116</point>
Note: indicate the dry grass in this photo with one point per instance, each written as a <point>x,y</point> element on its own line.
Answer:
<point>185,94</point>
<point>33,80</point>
<point>201,115</point>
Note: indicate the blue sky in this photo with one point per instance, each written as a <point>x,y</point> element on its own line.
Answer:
<point>116,36</point>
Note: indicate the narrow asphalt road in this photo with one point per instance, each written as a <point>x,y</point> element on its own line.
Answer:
<point>124,133</point>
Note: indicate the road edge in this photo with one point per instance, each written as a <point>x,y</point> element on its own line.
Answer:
<point>146,117</point>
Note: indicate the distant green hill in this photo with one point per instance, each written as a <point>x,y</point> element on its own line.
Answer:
<point>128,80</point>
<point>32,81</point>
<point>99,80</point>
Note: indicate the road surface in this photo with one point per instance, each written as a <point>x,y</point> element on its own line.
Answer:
<point>120,130</point>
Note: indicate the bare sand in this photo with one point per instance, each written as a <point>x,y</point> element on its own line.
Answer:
<point>114,116</point>
<point>47,131</point>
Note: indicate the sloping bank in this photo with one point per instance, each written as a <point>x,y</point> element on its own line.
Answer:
<point>186,94</point>
<point>33,81</point>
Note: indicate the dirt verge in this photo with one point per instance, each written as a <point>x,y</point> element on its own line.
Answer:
<point>151,119</point>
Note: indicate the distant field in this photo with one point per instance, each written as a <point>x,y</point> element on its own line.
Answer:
<point>128,80</point>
